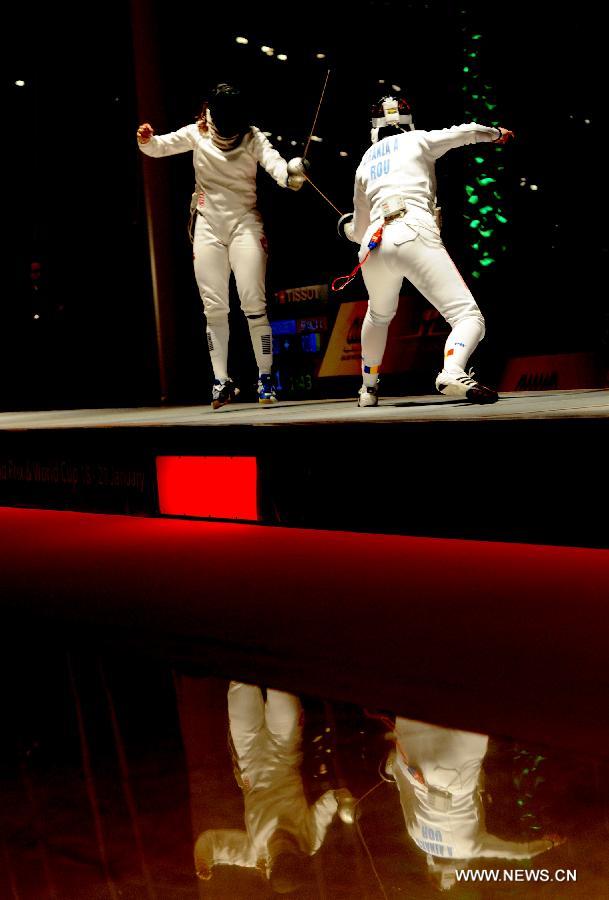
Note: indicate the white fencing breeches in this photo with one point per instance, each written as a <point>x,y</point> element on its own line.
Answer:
<point>246,255</point>
<point>409,250</point>
<point>447,759</point>
<point>259,728</point>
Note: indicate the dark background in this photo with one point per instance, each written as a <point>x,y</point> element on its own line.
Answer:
<point>77,325</point>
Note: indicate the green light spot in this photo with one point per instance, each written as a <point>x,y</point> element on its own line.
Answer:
<point>500,218</point>
<point>490,105</point>
<point>476,37</point>
<point>479,159</point>
<point>487,262</point>
<point>497,195</point>
<point>466,68</point>
<point>504,247</point>
<point>520,802</point>
<point>475,274</point>
<point>473,55</point>
<point>469,190</point>
<point>485,209</point>
<point>474,223</point>
<point>476,246</point>
<point>473,199</point>
<point>475,96</point>
<point>486,179</point>
<point>486,233</point>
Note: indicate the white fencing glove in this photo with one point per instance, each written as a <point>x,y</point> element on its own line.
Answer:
<point>297,172</point>
<point>345,227</point>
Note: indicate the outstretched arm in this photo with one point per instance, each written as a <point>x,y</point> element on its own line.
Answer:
<point>166,144</point>
<point>224,846</point>
<point>441,140</point>
<point>492,846</point>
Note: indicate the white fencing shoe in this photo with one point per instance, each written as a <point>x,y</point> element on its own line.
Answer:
<point>223,392</point>
<point>368,396</point>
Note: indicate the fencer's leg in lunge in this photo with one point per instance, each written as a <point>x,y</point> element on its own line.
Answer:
<point>428,266</point>
<point>248,258</point>
<point>419,255</point>
<point>383,286</point>
<point>212,273</point>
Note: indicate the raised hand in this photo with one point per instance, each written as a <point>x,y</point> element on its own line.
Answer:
<point>144,133</point>
<point>505,135</point>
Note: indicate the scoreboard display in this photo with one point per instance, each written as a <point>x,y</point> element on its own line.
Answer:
<point>301,325</point>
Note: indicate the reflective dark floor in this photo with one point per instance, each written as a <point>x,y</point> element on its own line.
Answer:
<point>125,778</point>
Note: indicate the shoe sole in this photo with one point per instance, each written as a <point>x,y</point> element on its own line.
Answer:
<point>270,402</point>
<point>483,397</point>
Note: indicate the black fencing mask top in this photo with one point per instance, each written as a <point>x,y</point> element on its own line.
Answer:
<point>229,118</point>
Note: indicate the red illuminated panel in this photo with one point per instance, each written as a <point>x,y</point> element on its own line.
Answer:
<point>208,487</point>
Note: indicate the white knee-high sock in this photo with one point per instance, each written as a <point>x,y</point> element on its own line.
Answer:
<point>461,343</point>
<point>217,344</point>
<point>374,341</point>
<point>262,341</point>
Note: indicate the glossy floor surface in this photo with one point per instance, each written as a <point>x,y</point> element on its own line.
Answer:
<point>116,772</point>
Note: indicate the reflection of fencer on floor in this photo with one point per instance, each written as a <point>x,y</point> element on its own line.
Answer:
<point>265,734</point>
<point>281,829</point>
<point>438,772</point>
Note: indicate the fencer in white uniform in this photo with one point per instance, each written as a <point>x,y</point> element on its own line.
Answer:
<point>438,773</point>
<point>395,211</point>
<point>282,830</point>
<point>229,232</point>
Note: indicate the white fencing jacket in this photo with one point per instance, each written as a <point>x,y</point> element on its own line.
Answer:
<point>403,165</point>
<point>449,761</point>
<point>225,180</point>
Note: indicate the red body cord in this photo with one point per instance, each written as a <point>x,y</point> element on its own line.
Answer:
<point>374,242</point>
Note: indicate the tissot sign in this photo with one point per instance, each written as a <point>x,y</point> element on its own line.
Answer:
<point>302,294</point>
